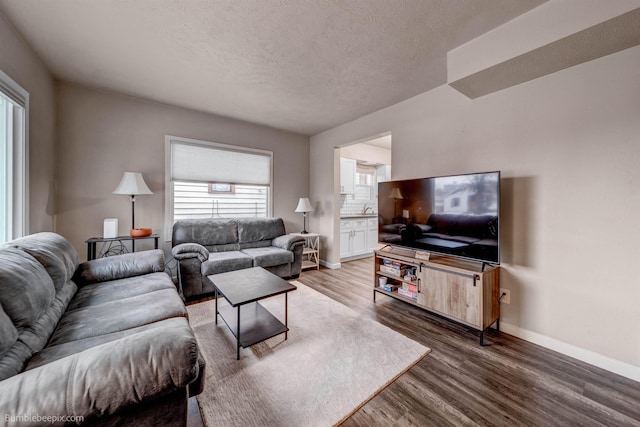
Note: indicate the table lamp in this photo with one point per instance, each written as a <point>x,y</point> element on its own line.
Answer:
<point>304,206</point>
<point>396,195</point>
<point>132,184</point>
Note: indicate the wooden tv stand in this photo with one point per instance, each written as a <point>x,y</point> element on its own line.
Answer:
<point>459,290</point>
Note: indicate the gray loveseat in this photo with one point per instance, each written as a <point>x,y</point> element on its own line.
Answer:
<point>106,340</point>
<point>210,246</point>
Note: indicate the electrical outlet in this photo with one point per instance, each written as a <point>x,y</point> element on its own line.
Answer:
<point>506,299</point>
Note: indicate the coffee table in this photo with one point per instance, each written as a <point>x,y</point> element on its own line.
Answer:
<point>243,289</point>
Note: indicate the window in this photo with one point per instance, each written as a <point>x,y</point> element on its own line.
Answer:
<point>222,188</point>
<point>365,175</point>
<point>14,103</point>
<point>211,180</point>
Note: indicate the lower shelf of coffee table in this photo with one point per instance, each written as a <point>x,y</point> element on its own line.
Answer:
<point>257,324</point>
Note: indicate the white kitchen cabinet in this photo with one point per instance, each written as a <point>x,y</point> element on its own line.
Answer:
<point>346,232</point>
<point>347,176</point>
<point>359,239</point>
<point>354,237</point>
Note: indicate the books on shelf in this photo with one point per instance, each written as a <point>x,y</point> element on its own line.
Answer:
<point>392,270</point>
<point>410,291</point>
<point>392,263</point>
<point>407,293</point>
<point>390,288</point>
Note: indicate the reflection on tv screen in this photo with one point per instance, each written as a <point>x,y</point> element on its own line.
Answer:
<point>456,215</point>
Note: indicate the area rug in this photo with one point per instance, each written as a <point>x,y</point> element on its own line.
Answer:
<point>333,362</point>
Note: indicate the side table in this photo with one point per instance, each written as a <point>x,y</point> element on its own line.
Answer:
<point>92,242</point>
<point>311,251</point>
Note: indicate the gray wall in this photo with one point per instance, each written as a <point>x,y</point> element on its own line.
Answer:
<point>568,146</point>
<point>21,64</point>
<point>102,134</point>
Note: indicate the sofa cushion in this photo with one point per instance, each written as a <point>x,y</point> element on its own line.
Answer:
<point>54,352</point>
<point>26,295</point>
<point>118,315</point>
<point>8,333</point>
<point>223,248</point>
<point>256,229</point>
<point>207,232</point>
<point>268,257</point>
<point>54,252</point>
<point>26,290</point>
<point>18,347</point>
<point>258,244</point>
<point>100,293</point>
<point>221,262</point>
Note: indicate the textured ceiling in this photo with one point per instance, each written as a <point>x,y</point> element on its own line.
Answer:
<point>299,65</point>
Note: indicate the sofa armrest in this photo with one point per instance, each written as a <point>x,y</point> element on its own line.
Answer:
<point>105,379</point>
<point>287,241</point>
<point>190,250</point>
<point>119,267</point>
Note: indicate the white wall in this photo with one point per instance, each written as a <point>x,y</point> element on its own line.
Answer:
<point>103,134</point>
<point>21,64</point>
<point>367,153</point>
<point>568,146</point>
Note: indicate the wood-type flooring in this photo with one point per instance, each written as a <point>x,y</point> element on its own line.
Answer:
<point>507,382</point>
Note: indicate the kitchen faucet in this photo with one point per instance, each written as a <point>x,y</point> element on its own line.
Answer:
<point>365,208</point>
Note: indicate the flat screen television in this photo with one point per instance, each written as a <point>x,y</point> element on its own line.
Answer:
<point>456,215</point>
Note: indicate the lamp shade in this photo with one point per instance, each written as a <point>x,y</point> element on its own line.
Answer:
<point>395,193</point>
<point>132,183</point>
<point>304,205</point>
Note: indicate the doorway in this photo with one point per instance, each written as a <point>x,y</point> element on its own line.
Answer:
<point>363,164</point>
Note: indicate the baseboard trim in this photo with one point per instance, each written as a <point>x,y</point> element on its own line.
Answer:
<point>329,265</point>
<point>616,366</point>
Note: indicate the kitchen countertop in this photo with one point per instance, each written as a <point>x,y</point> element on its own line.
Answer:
<point>359,216</point>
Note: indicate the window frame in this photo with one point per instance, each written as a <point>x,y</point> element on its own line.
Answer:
<point>169,200</point>
<point>19,222</point>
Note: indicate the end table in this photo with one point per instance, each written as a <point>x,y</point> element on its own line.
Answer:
<point>91,243</point>
<point>311,251</point>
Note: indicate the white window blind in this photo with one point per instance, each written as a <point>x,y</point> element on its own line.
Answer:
<point>205,163</point>
<point>211,180</point>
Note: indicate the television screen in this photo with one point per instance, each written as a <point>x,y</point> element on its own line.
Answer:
<point>456,215</point>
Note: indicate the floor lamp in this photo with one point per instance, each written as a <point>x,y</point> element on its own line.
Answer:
<point>132,184</point>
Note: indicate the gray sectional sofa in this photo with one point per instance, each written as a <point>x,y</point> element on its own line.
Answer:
<point>210,246</point>
<point>106,340</point>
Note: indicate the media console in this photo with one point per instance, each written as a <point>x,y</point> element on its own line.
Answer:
<point>464,291</point>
